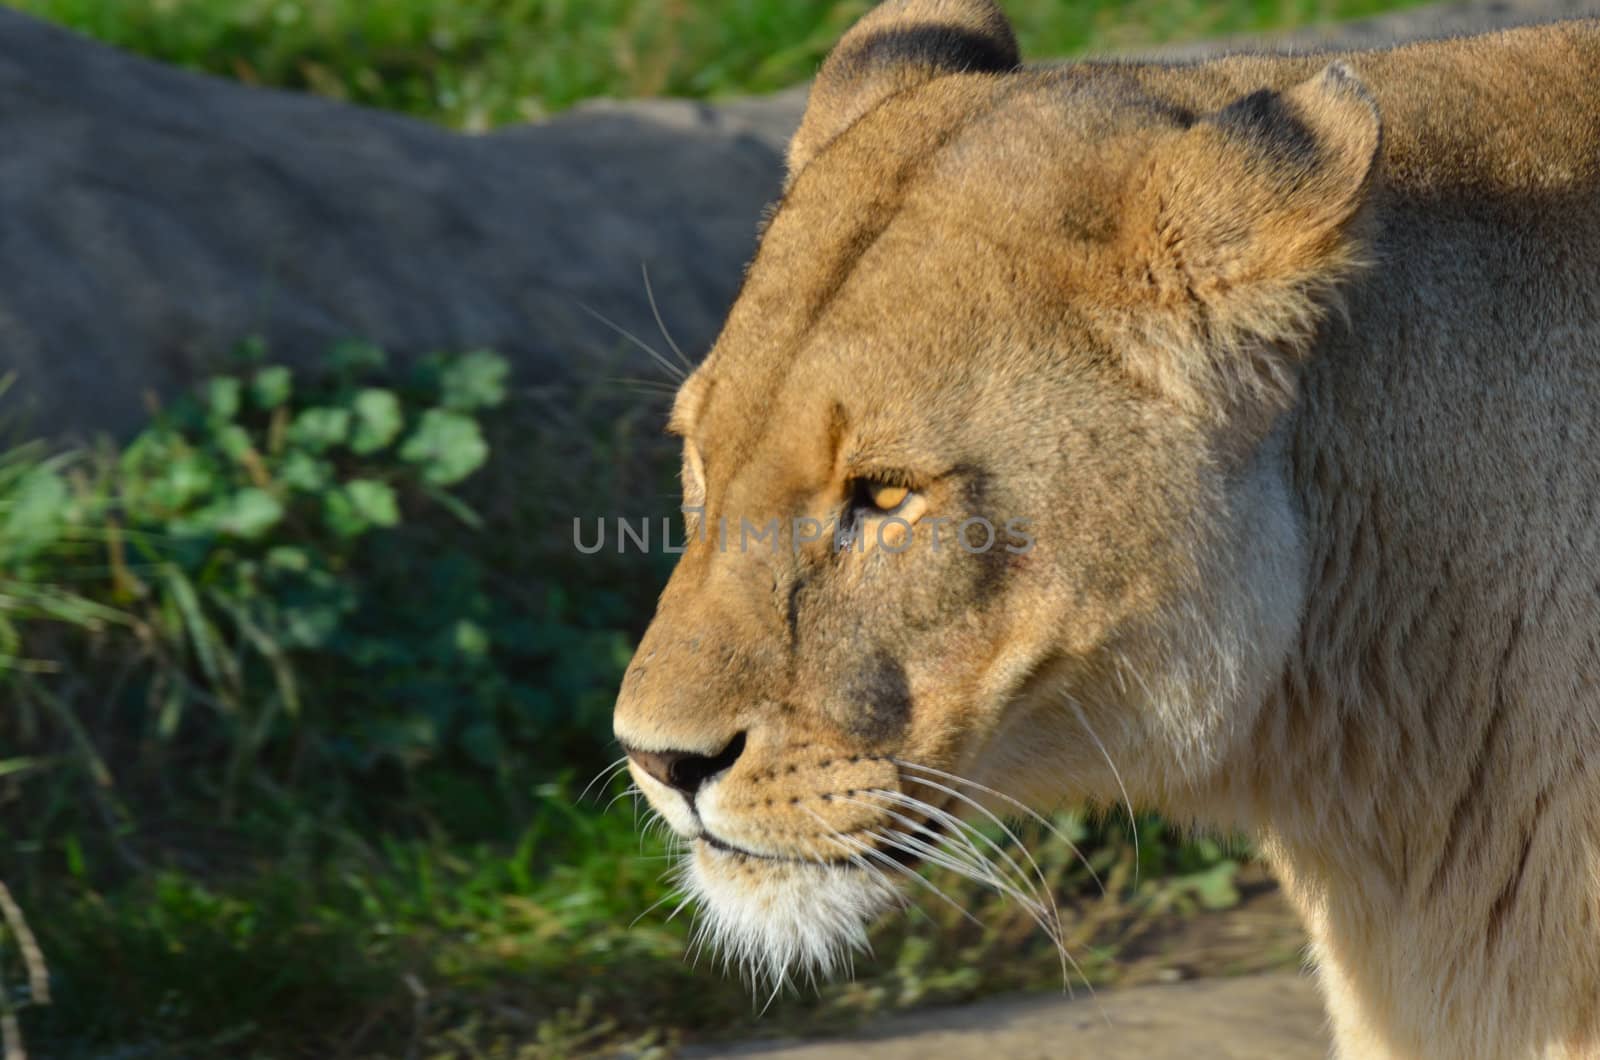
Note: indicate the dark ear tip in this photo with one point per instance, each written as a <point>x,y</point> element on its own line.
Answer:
<point>1339,73</point>
<point>1340,79</point>
<point>897,44</point>
<point>952,35</point>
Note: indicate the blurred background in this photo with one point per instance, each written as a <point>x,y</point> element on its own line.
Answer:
<point>476,64</point>
<point>305,692</point>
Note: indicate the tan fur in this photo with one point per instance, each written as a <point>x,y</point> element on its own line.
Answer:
<point>1292,365</point>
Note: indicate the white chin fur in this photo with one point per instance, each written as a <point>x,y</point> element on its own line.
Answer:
<point>781,921</point>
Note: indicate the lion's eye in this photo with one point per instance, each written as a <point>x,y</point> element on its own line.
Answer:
<point>877,497</point>
<point>886,498</point>
<point>880,513</point>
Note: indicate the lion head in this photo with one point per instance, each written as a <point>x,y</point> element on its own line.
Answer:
<point>986,485</point>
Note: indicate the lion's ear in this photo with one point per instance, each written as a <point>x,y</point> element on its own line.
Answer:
<point>898,45</point>
<point>1244,226</point>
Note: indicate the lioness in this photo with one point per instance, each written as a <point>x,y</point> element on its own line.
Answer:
<point>1287,372</point>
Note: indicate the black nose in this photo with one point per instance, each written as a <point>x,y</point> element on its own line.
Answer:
<point>685,770</point>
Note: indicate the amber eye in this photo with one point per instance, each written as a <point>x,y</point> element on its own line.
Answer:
<point>882,497</point>
<point>887,498</point>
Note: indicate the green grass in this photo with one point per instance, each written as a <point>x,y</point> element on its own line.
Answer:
<point>534,948</point>
<point>479,63</point>
<point>253,659</point>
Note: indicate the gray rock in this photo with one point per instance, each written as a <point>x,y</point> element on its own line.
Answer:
<point>150,218</point>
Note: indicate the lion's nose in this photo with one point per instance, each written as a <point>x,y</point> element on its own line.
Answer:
<point>686,771</point>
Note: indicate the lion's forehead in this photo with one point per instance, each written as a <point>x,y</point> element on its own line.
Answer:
<point>925,232</point>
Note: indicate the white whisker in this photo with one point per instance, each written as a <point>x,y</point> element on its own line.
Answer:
<point>1044,917</point>
<point>961,828</point>
<point>653,906</point>
<point>688,899</point>
<point>933,855</point>
<point>1058,935</point>
<point>958,831</point>
<point>632,790</point>
<point>1018,804</point>
<point>975,804</point>
<point>603,777</point>
<point>656,312</point>
<point>867,849</point>
<point>653,387</point>
<point>673,371</point>
<point>981,867</point>
<point>1047,904</point>
<point>1133,822</point>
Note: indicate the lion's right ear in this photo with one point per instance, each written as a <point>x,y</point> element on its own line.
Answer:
<point>899,45</point>
<point>1238,237</point>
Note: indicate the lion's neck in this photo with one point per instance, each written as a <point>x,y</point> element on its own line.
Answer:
<point>1424,777</point>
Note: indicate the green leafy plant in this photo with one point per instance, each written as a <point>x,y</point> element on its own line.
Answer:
<point>279,574</point>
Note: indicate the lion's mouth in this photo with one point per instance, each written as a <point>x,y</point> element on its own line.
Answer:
<point>732,848</point>
<point>904,842</point>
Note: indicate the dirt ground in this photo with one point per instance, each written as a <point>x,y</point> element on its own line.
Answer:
<point>1220,985</point>
<point>1259,1017</point>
